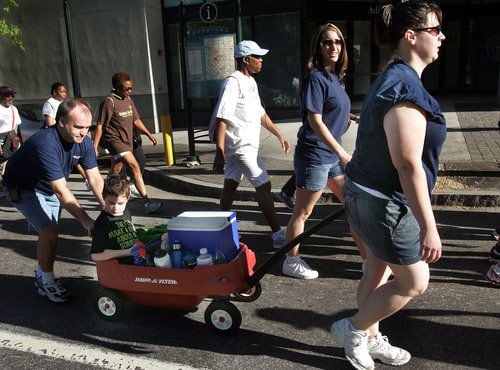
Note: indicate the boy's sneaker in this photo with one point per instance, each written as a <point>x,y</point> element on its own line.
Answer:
<point>298,268</point>
<point>495,254</point>
<point>287,200</point>
<point>279,238</point>
<point>493,274</point>
<point>87,185</point>
<point>134,192</point>
<point>380,349</point>
<point>355,343</point>
<point>152,207</point>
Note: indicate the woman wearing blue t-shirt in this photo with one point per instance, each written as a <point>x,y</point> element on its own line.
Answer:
<point>389,180</point>
<point>319,157</point>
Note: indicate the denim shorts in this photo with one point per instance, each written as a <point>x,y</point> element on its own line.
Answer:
<point>40,210</point>
<point>314,177</point>
<point>388,228</point>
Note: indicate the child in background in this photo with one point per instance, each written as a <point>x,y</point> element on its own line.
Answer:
<point>114,233</point>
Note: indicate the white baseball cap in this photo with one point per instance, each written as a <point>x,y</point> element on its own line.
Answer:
<point>247,47</point>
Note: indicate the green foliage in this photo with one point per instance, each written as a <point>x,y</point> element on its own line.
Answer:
<point>10,30</point>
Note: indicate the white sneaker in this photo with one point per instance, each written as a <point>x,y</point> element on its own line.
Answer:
<point>355,343</point>
<point>296,267</point>
<point>87,185</point>
<point>279,238</point>
<point>379,348</point>
<point>55,291</point>
<point>152,207</point>
<point>134,192</point>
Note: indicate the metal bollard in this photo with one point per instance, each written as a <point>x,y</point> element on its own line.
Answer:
<point>166,124</point>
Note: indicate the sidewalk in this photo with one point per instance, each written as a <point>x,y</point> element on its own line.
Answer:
<point>469,170</point>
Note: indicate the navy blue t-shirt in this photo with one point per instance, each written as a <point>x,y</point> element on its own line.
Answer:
<point>371,164</point>
<point>328,98</point>
<point>47,157</point>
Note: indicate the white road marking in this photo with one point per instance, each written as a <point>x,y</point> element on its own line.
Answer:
<point>84,354</point>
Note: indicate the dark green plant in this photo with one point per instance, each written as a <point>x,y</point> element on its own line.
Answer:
<point>10,30</point>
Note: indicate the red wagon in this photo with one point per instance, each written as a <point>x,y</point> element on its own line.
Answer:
<point>185,289</point>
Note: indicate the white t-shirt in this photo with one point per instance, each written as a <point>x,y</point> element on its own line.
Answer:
<point>6,118</point>
<point>240,106</point>
<point>50,107</point>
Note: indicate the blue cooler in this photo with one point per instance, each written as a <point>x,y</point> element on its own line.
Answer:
<point>211,230</point>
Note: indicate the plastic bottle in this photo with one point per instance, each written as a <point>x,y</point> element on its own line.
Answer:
<point>162,259</point>
<point>176,255</point>
<point>205,258</point>
<point>189,260</point>
<point>219,257</point>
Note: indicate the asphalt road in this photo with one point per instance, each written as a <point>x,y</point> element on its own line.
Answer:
<point>454,325</point>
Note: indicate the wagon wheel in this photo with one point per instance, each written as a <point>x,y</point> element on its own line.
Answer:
<point>109,305</point>
<point>223,317</point>
<point>250,295</point>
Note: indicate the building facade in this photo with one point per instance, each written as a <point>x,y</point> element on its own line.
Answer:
<point>177,51</point>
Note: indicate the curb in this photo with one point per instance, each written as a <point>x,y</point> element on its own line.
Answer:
<point>171,182</point>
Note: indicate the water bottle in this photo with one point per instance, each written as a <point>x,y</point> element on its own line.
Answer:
<point>219,257</point>
<point>162,259</point>
<point>205,258</point>
<point>176,255</point>
<point>189,260</point>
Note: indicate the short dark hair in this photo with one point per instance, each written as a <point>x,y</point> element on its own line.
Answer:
<point>119,78</point>
<point>116,186</point>
<point>67,106</point>
<point>54,87</point>
<point>394,20</point>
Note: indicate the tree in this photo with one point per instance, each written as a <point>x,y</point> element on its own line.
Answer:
<point>10,30</point>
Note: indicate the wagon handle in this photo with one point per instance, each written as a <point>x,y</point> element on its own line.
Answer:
<point>269,263</point>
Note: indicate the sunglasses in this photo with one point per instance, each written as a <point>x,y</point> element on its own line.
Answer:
<point>330,42</point>
<point>256,56</point>
<point>434,31</point>
<point>11,95</point>
<point>126,88</point>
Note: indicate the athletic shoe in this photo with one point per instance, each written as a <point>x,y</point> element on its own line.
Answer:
<point>495,254</point>
<point>54,291</point>
<point>380,349</point>
<point>279,238</point>
<point>493,274</point>
<point>87,185</point>
<point>298,269</point>
<point>355,343</point>
<point>288,201</point>
<point>134,192</point>
<point>152,207</point>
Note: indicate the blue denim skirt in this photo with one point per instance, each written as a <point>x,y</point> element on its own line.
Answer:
<point>388,228</point>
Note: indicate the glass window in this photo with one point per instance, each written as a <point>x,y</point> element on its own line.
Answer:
<point>278,81</point>
<point>361,57</point>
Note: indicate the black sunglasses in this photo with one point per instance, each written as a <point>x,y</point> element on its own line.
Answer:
<point>434,31</point>
<point>330,42</point>
<point>126,88</point>
<point>9,95</point>
<point>255,56</point>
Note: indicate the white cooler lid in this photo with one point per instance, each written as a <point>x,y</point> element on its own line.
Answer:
<point>201,220</point>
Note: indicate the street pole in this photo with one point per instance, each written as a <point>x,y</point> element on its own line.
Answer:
<point>192,159</point>
<point>239,32</point>
<point>72,54</point>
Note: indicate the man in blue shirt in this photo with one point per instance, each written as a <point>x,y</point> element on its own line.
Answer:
<point>35,183</point>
